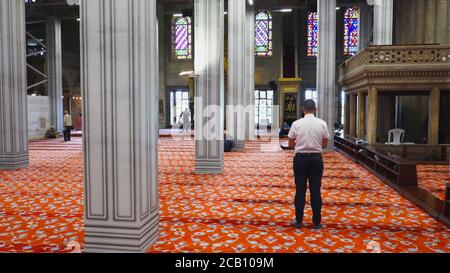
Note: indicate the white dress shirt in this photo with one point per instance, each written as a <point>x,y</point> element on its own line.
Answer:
<point>309,134</point>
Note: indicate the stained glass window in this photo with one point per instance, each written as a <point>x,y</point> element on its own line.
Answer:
<point>263,34</point>
<point>313,36</point>
<point>351,31</point>
<point>182,38</point>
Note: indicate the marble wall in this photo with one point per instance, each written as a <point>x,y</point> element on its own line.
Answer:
<point>422,22</point>
<point>38,116</point>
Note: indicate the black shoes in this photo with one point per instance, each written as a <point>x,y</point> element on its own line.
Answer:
<point>301,225</point>
<point>297,224</point>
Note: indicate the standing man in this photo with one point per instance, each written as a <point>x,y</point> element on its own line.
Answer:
<point>186,116</point>
<point>68,125</point>
<point>308,136</point>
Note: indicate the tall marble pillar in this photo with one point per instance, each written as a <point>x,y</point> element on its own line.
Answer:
<point>448,22</point>
<point>441,30</point>
<point>235,109</point>
<point>119,70</point>
<point>54,68</point>
<point>420,22</point>
<point>366,25</point>
<point>13,86</point>
<point>383,22</point>
<point>249,59</point>
<point>209,101</point>
<point>430,19</point>
<point>326,63</point>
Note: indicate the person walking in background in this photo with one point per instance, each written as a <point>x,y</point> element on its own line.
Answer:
<point>68,125</point>
<point>308,136</point>
<point>79,123</point>
<point>186,117</point>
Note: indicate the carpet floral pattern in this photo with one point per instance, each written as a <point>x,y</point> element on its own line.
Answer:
<point>246,209</point>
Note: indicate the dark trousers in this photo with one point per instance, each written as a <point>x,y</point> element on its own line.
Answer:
<point>308,167</point>
<point>67,132</point>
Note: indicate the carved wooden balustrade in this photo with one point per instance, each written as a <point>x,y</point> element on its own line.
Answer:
<point>396,70</point>
<point>391,66</point>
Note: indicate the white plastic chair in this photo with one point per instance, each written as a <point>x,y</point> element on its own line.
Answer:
<point>396,137</point>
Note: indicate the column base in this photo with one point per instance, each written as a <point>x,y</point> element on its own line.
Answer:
<point>13,162</point>
<point>115,239</point>
<point>208,166</point>
<point>239,145</point>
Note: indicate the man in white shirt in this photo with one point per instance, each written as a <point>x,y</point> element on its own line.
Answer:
<point>308,136</point>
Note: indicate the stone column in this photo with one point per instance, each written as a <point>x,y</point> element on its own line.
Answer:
<point>13,86</point>
<point>249,57</point>
<point>434,113</point>
<point>383,22</point>
<point>119,71</point>
<point>162,53</point>
<point>361,115</point>
<point>353,113</point>
<point>420,22</point>
<point>448,23</point>
<point>54,68</point>
<point>209,103</point>
<point>326,63</point>
<point>237,30</point>
<point>429,20</point>
<point>372,115</point>
<point>347,116</point>
<point>441,30</point>
<point>365,25</point>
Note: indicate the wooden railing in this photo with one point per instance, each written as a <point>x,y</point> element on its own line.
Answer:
<point>420,154</point>
<point>405,54</point>
<point>447,201</point>
<point>399,173</point>
<point>395,169</point>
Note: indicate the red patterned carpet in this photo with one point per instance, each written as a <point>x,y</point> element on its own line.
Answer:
<point>434,178</point>
<point>247,209</point>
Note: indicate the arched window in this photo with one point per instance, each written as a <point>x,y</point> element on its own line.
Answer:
<point>312,34</point>
<point>263,34</point>
<point>351,31</point>
<point>182,38</point>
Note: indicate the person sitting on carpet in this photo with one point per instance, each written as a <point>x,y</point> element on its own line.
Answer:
<point>229,145</point>
<point>51,133</point>
<point>284,130</point>
<point>308,136</point>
